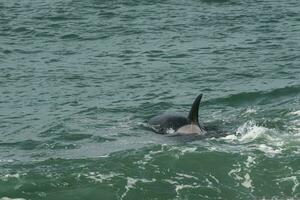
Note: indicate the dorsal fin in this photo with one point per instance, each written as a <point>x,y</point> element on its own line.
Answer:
<point>193,115</point>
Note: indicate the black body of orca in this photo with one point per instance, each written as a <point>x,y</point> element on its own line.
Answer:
<point>176,124</point>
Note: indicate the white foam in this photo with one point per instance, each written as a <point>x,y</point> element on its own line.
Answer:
<point>247,183</point>
<point>233,173</point>
<point>148,157</point>
<point>230,137</point>
<point>179,151</point>
<point>8,161</point>
<point>241,173</point>
<point>171,181</point>
<point>104,156</point>
<point>214,178</point>
<point>158,151</point>
<point>295,113</point>
<point>248,132</point>
<point>98,177</point>
<point>131,184</point>
<point>7,198</point>
<point>269,151</point>
<point>178,186</point>
<point>250,161</point>
<point>11,176</point>
<point>291,178</point>
<point>188,150</point>
<point>182,186</point>
<point>250,110</point>
<point>261,138</point>
<point>187,176</point>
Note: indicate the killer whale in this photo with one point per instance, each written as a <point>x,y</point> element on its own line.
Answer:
<point>171,123</point>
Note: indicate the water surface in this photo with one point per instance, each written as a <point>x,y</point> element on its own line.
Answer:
<point>80,79</point>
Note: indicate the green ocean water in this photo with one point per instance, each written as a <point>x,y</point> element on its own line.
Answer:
<point>80,79</point>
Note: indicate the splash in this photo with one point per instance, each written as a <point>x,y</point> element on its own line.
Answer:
<point>250,131</point>
<point>295,113</point>
<point>254,137</point>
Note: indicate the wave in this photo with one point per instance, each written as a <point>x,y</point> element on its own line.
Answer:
<point>70,36</point>
<point>259,97</point>
<point>216,1</point>
<point>24,145</point>
<point>295,113</point>
<point>7,198</point>
<point>253,137</point>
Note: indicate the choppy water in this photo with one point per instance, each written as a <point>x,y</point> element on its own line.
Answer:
<point>79,79</point>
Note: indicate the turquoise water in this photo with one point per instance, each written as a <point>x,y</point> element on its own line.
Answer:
<point>80,79</point>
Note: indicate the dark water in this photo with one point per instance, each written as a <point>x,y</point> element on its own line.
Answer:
<point>79,79</point>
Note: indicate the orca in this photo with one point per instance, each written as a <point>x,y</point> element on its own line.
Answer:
<point>177,124</point>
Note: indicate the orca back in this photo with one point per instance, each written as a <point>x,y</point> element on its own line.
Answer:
<point>168,122</point>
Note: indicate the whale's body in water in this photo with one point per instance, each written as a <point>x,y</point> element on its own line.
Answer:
<point>171,123</point>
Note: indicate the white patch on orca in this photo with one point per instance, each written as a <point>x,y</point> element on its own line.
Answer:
<point>189,129</point>
<point>176,124</point>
